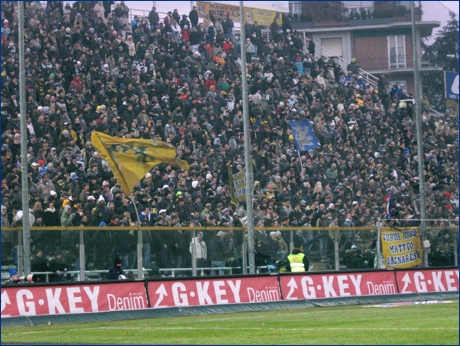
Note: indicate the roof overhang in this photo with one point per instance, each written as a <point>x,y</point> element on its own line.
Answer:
<point>425,27</point>
<point>426,69</point>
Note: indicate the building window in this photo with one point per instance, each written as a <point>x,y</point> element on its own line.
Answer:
<point>295,7</point>
<point>397,51</point>
<point>331,47</point>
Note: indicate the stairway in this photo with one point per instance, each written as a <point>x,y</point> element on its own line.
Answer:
<point>370,79</point>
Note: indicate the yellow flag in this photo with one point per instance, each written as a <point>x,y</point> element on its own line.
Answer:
<point>130,159</point>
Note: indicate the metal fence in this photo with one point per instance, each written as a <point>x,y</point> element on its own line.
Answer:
<point>87,253</point>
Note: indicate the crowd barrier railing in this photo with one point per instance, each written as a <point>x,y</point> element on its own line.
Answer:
<point>330,251</point>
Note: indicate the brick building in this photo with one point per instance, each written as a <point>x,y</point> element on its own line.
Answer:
<point>381,45</point>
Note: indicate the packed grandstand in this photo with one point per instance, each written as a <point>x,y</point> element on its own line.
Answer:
<point>90,66</point>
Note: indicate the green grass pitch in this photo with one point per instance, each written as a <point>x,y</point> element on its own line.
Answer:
<point>431,324</point>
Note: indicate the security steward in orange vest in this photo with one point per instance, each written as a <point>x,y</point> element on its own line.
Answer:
<point>297,261</point>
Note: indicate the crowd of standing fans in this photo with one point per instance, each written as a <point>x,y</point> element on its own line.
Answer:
<point>172,77</point>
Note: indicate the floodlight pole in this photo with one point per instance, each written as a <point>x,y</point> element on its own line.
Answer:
<point>247,148</point>
<point>379,226</point>
<point>23,125</point>
<point>418,122</point>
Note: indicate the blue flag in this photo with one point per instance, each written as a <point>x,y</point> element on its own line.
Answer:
<point>303,135</point>
<point>388,208</point>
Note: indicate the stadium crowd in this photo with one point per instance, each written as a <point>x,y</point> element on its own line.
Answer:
<point>168,77</point>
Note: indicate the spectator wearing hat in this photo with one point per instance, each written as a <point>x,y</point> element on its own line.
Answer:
<point>39,264</point>
<point>14,278</point>
<point>7,237</point>
<point>198,245</point>
<point>323,221</point>
<point>58,266</point>
<point>45,187</point>
<point>205,213</point>
<point>297,261</point>
<point>116,272</point>
<point>218,252</point>
<point>147,218</point>
<point>349,234</point>
<point>353,67</point>
<point>282,245</point>
<point>67,216</point>
<point>357,260</point>
<point>102,246</point>
<point>249,50</point>
<point>154,19</point>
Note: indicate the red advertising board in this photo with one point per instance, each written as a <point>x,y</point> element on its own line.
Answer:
<point>313,286</point>
<point>164,294</point>
<point>24,300</point>
<point>427,280</point>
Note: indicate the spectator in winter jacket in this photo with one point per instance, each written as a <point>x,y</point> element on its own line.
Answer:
<point>218,252</point>
<point>116,272</point>
<point>193,15</point>
<point>198,246</point>
<point>353,66</point>
<point>59,267</point>
<point>249,50</point>
<point>14,278</point>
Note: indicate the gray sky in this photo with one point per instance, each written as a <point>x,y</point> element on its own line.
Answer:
<point>438,11</point>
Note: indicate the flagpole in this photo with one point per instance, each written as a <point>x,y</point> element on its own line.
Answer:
<point>140,272</point>
<point>247,142</point>
<point>300,161</point>
<point>142,153</point>
<point>194,270</point>
<point>418,123</point>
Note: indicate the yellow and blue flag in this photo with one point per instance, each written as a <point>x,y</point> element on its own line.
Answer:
<point>130,159</point>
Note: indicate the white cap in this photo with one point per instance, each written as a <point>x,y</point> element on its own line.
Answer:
<point>100,199</point>
<point>208,176</point>
<point>354,247</point>
<point>165,186</point>
<point>91,198</point>
<point>162,211</point>
<point>194,184</point>
<point>53,193</point>
<point>354,202</point>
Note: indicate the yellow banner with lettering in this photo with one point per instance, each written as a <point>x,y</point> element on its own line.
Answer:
<point>401,249</point>
<point>238,184</point>
<point>262,17</point>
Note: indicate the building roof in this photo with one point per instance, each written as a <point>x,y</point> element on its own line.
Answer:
<point>426,27</point>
